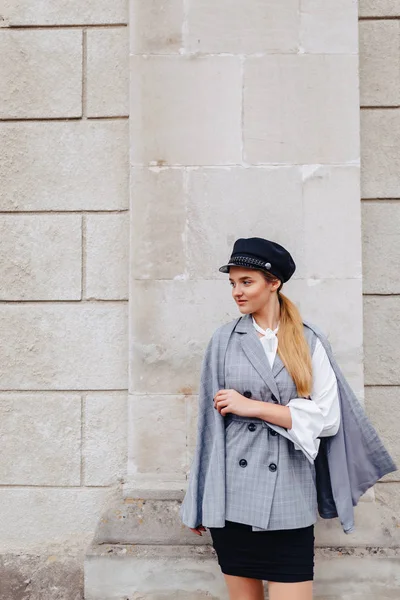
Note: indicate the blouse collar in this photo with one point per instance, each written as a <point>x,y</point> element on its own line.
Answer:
<point>268,333</point>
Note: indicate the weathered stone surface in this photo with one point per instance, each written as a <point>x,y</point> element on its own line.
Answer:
<point>105,438</point>
<point>301,109</point>
<point>320,301</point>
<point>383,407</point>
<point>40,257</point>
<point>232,26</point>
<point>156,26</point>
<point>155,421</point>
<point>57,521</point>
<point>40,74</point>
<point>39,577</point>
<point>63,346</point>
<point>40,439</point>
<point>107,85</point>
<point>379,8</point>
<point>381,247</point>
<point>379,72</point>
<point>329,27</point>
<point>381,330</point>
<point>157,207</point>
<point>332,243</point>
<point>380,159</point>
<point>107,254</point>
<point>58,12</point>
<point>187,110</point>
<point>76,165</point>
<point>192,412</point>
<point>268,203</point>
<point>163,362</point>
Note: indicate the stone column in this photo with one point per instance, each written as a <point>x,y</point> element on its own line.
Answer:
<point>244,122</point>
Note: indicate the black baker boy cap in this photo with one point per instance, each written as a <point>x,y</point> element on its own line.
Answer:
<point>258,253</point>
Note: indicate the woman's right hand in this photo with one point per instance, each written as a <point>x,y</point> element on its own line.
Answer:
<point>197,530</point>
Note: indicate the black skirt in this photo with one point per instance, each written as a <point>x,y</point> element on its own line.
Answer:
<point>284,555</point>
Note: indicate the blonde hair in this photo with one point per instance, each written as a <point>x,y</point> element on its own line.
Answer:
<point>293,347</point>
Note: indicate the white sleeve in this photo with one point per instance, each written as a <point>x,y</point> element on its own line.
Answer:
<point>320,416</point>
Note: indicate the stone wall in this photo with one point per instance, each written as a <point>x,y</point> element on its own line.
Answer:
<point>379,28</point>
<point>64,247</point>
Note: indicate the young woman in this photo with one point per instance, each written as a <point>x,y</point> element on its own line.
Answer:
<point>275,397</point>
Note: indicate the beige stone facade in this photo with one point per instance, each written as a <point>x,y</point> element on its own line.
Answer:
<point>244,119</point>
<point>64,244</point>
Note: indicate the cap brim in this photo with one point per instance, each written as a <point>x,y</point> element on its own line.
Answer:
<point>225,268</point>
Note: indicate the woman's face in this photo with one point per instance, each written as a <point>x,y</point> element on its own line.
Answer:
<point>250,290</point>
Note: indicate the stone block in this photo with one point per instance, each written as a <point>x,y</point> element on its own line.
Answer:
<point>107,256</point>
<point>321,302</point>
<point>153,573</point>
<point>163,362</point>
<point>383,408</point>
<point>301,109</point>
<point>332,244</point>
<point>105,438</point>
<point>41,74</point>
<point>40,439</point>
<point>381,331</point>
<point>41,257</point>
<point>58,12</point>
<point>107,85</point>
<point>156,26</point>
<point>155,421</point>
<point>379,51</point>
<point>63,347</point>
<point>146,521</point>
<point>380,159</point>
<point>381,247</point>
<point>186,110</point>
<point>235,27</point>
<point>40,576</point>
<point>226,204</point>
<point>379,8</point>
<point>329,27</point>
<point>157,206</point>
<point>57,521</point>
<point>78,165</point>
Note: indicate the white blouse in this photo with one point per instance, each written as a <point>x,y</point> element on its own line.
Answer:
<point>310,419</point>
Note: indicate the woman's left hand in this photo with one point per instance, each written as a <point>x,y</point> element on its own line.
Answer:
<point>230,401</point>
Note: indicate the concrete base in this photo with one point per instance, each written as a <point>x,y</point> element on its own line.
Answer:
<point>142,551</point>
<point>135,572</point>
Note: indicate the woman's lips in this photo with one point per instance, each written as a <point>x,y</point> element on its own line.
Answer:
<point>242,301</point>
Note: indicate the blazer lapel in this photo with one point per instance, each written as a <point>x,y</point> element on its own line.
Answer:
<point>277,365</point>
<point>253,349</point>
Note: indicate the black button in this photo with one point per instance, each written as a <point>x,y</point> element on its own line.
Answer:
<point>252,427</point>
<point>274,399</point>
<point>272,467</point>
<point>272,431</point>
<point>243,462</point>
<point>247,394</point>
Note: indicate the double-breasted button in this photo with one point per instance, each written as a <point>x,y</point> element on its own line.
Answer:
<point>247,394</point>
<point>272,467</point>
<point>243,462</point>
<point>272,431</point>
<point>252,426</point>
<point>274,399</point>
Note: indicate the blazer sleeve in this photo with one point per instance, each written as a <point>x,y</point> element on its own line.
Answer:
<point>319,417</point>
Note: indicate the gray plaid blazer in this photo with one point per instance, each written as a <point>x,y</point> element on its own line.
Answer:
<point>246,470</point>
